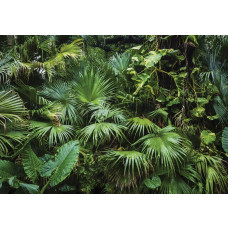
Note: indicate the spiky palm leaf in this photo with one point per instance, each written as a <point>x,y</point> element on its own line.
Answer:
<point>120,63</point>
<point>186,178</point>
<point>54,134</point>
<point>141,125</point>
<point>161,113</point>
<point>126,168</point>
<point>102,132</point>
<point>10,66</point>
<point>67,51</point>
<point>11,107</point>
<point>12,138</point>
<point>166,147</point>
<point>91,87</point>
<point>64,100</point>
<point>213,173</point>
<point>220,109</point>
<point>30,93</point>
<point>105,112</point>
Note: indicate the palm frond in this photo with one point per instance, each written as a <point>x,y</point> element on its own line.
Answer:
<point>64,100</point>
<point>11,107</point>
<point>120,63</point>
<point>160,113</point>
<point>91,87</point>
<point>54,134</point>
<point>102,132</point>
<point>67,51</point>
<point>126,168</point>
<point>141,125</point>
<point>213,172</point>
<point>30,93</point>
<point>105,112</point>
<point>167,148</point>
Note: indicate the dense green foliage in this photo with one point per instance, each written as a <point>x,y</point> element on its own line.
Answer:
<point>113,114</point>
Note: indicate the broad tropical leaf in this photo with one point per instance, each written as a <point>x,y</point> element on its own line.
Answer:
<point>225,139</point>
<point>63,164</point>
<point>9,169</point>
<point>31,163</point>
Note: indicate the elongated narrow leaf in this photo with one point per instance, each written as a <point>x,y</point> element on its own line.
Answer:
<point>31,163</point>
<point>63,164</point>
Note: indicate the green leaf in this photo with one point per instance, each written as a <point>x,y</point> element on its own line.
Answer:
<point>173,102</point>
<point>1,181</point>
<point>153,183</point>
<point>67,188</point>
<point>152,59</point>
<point>213,117</point>
<point>45,158</point>
<point>31,163</point>
<point>225,139</point>
<point>14,182</point>
<point>31,188</point>
<point>198,111</point>
<point>179,81</point>
<point>202,100</point>
<point>9,169</point>
<point>63,164</point>
<point>140,125</point>
<point>137,47</point>
<point>180,57</point>
<point>208,137</point>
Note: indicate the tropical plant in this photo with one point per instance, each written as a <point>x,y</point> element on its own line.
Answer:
<point>166,147</point>
<point>96,114</point>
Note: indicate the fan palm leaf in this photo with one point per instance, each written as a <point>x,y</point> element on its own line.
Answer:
<point>167,148</point>
<point>141,125</point>
<point>160,112</point>
<point>105,112</point>
<point>11,107</point>
<point>120,63</point>
<point>126,168</point>
<point>91,87</point>
<point>64,100</point>
<point>55,134</point>
<point>212,172</point>
<point>102,132</point>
